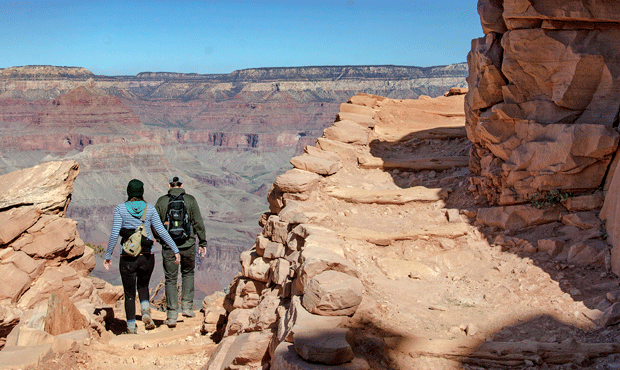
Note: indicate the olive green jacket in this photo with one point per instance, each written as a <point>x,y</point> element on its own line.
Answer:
<point>195,218</point>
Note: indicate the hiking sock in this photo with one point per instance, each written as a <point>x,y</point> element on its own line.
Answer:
<point>145,305</point>
<point>131,326</point>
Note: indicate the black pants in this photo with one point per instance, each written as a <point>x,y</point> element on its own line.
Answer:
<point>136,271</point>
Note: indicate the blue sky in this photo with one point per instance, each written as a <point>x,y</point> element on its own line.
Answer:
<point>128,37</point>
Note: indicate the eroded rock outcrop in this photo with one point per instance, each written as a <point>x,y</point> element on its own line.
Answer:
<point>543,103</point>
<point>44,264</point>
<point>295,284</point>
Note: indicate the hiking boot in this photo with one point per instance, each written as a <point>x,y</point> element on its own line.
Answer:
<point>188,313</point>
<point>146,319</point>
<point>170,322</point>
<point>131,331</point>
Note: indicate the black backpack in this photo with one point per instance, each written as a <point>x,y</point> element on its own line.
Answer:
<point>177,219</point>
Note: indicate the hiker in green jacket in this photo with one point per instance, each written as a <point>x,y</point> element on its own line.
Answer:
<point>181,217</point>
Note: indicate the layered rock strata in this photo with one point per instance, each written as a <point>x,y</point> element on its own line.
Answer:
<point>543,102</point>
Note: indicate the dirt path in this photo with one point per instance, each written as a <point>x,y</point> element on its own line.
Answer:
<point>450,289</point>
<point>182,347</point>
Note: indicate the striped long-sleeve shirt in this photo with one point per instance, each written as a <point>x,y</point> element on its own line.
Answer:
<point>122,218</point>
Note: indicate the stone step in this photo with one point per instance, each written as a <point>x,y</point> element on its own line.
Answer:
<point>446,114</point>
<point>387,196</point>
<point>361,119</point>
<point>397,134</point>
<point>286,358</point>
<point>419,164</point>
<point>357,109</point>
<point>384,239</point>
<point>327,346</point>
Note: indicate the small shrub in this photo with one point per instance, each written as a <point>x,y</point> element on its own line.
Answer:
<point>99,250</point>
<point>549,198</point>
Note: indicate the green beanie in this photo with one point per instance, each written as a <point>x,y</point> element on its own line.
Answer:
<point>135,188</point>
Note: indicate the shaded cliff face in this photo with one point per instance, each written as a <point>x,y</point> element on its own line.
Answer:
<point>543,104</point>
<point>227,135</point>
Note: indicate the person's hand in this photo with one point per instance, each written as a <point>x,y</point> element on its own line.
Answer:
<point>106,264</point>
<point>202,251</point>
<point>177,258</point>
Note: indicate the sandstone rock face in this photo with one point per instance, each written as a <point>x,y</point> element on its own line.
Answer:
<point>62,315</point>
<point>42,254</point>
<point>47,186</point>
<point>543,97</point>
<point>611,213</point>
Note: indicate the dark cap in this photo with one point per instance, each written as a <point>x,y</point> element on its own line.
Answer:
<point>175,178</point>
<point>135,188</point>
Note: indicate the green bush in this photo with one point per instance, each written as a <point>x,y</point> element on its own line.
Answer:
<point>549,198</point>
<point>99,250</point>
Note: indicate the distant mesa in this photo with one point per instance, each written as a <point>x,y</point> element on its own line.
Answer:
<point>46,71</point>
<point>87,106</point>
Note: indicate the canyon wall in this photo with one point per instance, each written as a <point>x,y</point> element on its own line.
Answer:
<point>227,135</point>
<point>542,108</point>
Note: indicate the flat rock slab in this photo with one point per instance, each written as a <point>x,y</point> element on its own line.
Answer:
<point>517,217</point>
<point>344,151</point>
<point>46,186</point>
<point>314,164</point>
<point>397,134</point>
<point>384,239</point>
<point>296,181</point>
<point>347,132</point>
<point>323,345</point>
<point>361,119</point>
<point>22,357</point>
<point>420,164</point>
<point>285,358</point>
<point>389,196</point>
<point>357,109</point>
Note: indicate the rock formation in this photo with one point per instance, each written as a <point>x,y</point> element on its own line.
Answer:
<point>543,102</point>
<point>44,267</point>
<point>298,284</point>
<point>366,260</point>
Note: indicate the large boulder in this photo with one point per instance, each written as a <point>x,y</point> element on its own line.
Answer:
<point>62,315</point>
<point>333,293</point>
<point>47,186</point>
<point>315,260</point>
<point>296,181</point>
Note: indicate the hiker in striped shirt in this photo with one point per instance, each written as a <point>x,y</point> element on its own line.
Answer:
<point>136,271</point>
